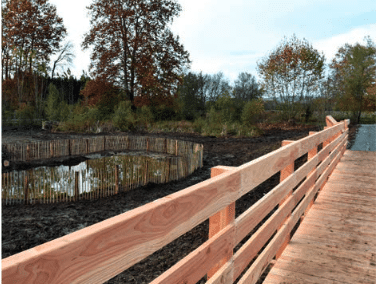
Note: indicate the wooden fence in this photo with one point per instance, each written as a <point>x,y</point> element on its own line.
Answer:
<point>101,251</point>
<point>48,184</point>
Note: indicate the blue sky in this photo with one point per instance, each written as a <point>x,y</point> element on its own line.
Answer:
<point>231,36</point>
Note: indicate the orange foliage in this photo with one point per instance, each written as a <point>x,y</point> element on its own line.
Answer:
<point>142,52</point>
<point>145,100</point>
<point>99,91</point>
<point>9,93</point>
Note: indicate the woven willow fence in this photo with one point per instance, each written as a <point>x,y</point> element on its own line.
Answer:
<point>101,177</point>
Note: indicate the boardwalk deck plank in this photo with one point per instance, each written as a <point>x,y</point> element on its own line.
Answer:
<point>336,242</point>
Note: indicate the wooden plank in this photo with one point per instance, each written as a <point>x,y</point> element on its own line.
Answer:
<point>101,251</point>
<point>353,187</point>
<point>223,275</point>
<point>352,180</point>
<point>345,212</point>
<point>336,240</point>
<point>285,173</point>
<point>333,237</point>
<point>255,214</point>
<point>305,249</point>
<point>338,271</point>
<point>220,220</point>
<point>278,275</point>
<point>250,249</point>
<point>330,121</point>
<point>253,273</point>
<point>194,266</point>
<point>258,170</point>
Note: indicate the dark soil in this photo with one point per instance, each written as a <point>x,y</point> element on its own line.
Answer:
<point>26,226</point>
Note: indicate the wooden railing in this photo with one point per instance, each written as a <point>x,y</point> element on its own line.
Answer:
<point>101,251</point>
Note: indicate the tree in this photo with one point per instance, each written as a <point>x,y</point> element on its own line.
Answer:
<point>32,31</point>
<point>101,94</point>
<point>246,87</point>
<point>292,73</point>
<point>354,70</point>
<point>134,47</point>
<point>217,85</point>
<point>65,57</point>
<point>191,95</point>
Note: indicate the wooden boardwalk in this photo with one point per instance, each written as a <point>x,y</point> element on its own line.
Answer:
<point>336,242</point>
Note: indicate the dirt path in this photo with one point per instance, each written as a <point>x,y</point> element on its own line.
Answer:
<point>26,226</point>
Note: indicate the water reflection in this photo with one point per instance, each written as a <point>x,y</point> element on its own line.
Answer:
<point>90,179</point>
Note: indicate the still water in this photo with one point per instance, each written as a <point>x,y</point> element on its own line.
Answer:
<point>96,177</point>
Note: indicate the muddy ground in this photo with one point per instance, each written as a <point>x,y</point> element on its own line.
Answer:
<point>26,226</point>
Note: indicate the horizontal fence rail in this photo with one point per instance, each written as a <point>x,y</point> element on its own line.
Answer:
<point>47,185</point>
<point>101,251</point>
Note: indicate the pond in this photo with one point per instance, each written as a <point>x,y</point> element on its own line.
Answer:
<point>96,177</point>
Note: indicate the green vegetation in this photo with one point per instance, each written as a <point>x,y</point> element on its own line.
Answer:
<point>154,90</point>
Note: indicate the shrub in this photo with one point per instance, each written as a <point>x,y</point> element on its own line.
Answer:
<point>199,124</point>
<point>252,111</point>
<point>228,108</point>
<point>52,103</point>
<point>25,115</point>
<point>64,111</point>
<point>144,117</point>
<point>123,117</point>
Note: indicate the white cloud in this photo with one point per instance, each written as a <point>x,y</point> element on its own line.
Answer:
<point>330,46</point>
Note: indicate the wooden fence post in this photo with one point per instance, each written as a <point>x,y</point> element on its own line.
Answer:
<point>311,155</point>
<point>284,173</point>
<point>168,170</point>
<point>76,186</point>
<point>26,188</point>
<point>51,149</point>
<point>146,172</point>
<point>27,152</point>
<point>116,179</point>
<point>220,220</point>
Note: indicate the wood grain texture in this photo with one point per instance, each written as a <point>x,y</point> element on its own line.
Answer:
<point>220,220</point>
<point>194,266</point>
<point>337,240</point>
<point>261,263</point>
<point>258,170</point>
<point>256,213</point>
<point>101,251</point>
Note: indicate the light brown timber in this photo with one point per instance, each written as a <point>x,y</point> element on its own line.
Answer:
<point>336,242</point>
<point>101,251</point>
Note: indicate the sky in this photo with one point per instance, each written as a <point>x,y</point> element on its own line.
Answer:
<point>232,36</point>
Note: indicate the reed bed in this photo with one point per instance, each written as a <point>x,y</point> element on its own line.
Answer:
<point>99,178</point>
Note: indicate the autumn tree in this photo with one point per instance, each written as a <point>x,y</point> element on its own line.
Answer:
<point>292,73</point>
<point>31,32</point>
<point>134,47</point>
<point>101,94</point>
<point>354,74</point>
